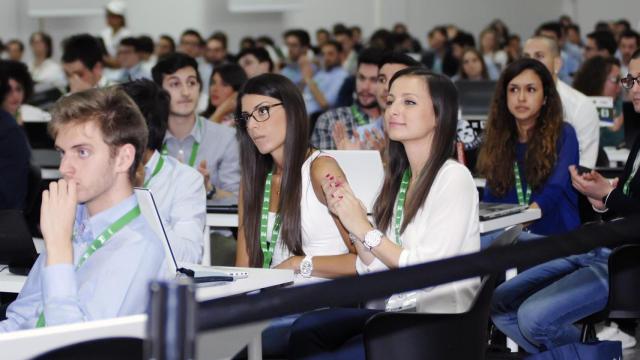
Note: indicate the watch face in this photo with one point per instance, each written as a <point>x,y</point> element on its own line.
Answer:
<point>306,268</point>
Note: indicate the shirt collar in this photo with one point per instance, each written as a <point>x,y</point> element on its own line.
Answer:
<point>196,132</point>
<point>100,221</point>
<point>151,164</point>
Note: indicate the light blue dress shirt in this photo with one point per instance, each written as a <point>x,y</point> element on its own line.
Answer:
<point>218,146</point>
<point>329,83</point>
<point>112,282</point>
<point>178,191</point>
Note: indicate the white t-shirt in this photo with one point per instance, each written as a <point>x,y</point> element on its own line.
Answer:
<point>446,225</point>
<point>320,235</point>
<point>49,74</point>
<point>580,112</point>
<point>111,40</point>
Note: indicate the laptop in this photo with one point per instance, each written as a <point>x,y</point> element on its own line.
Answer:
<point>16,245</point>
<point>226,205</point>
<point>475,98</point>
<point>364,172</point>
<point>489,211</point>
<point>201,274</point>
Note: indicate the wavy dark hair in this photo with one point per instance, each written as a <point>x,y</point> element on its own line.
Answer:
<point>593,74</point>
<point>498,151</point>
<point>445,106</point>
<point>255,166</point>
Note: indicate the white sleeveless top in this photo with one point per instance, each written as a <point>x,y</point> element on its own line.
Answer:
<point>320,235</point>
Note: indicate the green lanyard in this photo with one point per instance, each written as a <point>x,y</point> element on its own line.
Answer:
<point>402,195</point>
<point>99,242</point>
<point>357,115</point>
<point>636,163</point>
<point>523,199</point>
<point>155,172</point>
<point>268,247</point>
<point>194,147</point>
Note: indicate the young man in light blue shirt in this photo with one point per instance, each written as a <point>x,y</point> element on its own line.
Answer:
<point>178,190</point>
<point>210,148</point>
<point>100,252</point>
<point>322,88</point>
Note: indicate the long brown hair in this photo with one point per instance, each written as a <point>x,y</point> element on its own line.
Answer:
<point>498,151</point>
<point>593,74</point>
<point>255,166</point>
<point>484,73</point>
<point>445,106</point>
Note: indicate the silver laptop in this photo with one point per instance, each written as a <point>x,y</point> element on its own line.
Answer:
<point>150,211</point>
<point>364,172</point>
<point>490,211</point>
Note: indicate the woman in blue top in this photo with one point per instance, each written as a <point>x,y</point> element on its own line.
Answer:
<point>527,148</point>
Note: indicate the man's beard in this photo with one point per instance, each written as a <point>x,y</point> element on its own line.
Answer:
<point>372,105</point>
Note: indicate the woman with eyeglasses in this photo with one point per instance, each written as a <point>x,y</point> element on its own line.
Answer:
<point>600,76</point>
<point>284,222</point>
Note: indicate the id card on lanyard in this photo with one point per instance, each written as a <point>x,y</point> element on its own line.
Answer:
<point>96,244</point>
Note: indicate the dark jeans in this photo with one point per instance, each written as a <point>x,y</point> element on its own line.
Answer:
<point>329,334</point>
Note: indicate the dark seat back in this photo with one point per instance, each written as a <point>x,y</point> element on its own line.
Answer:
<point>110,348</point>
<point>624,282</point>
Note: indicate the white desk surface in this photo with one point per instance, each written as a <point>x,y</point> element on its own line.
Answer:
<point>616,155</point>
<point>29,343</point>
<point>506,221</point>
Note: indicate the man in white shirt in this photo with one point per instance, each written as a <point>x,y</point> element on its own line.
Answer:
<point>210,148</point>
<point>116,29</point>
<point>177,189</point>
<point>579,111</point>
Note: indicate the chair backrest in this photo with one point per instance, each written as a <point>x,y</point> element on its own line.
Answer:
<point>390,335</point>
<point>624,282</point>
<point>109,348</point>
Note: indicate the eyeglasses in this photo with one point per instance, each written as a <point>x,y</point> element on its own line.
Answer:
<point>627,81</point>
<point>260,114</point>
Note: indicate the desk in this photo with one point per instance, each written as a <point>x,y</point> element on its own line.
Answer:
<point>221,343</point>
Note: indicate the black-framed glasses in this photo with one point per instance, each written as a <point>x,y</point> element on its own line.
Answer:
<point>260,114</point>
<point>627,81</point>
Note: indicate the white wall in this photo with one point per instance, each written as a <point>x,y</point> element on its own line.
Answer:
<point>154,17</point>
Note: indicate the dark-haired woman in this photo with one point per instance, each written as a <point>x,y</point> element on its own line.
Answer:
<point>284,221</point>
<point>225,82</point>
<point>427,210</point>
<point>600,76</point>
<point>45,71</point>
<point>527,148</point>
<point>472,66</point>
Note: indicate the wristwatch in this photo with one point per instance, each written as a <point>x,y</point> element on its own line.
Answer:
<point>306,266</point>
<point>372,238</point>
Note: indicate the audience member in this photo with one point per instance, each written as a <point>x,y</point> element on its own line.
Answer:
<point>322,36</point>
<point>527,148</point>
<point>601,43</point>
<point>494,58</point>
<point>433,58</point>
<point>255,61</point>
<point>100,254</point>
<point>146,52</point>
<point>115,31</point>
<point>192,44</point>
<point>578,110</point>
<point>628,44</point>
<point>247,42</point>
<point>472,66</point>
<point>21,88</point>
<point>600,76</point>
<point>82,63</point>
<point>298,44</point>
<point>390,64</point>
<point>14,151</point>
<point>571,54</point>
<point>348,54</point>
<point>15,50</point>
<point>514,48</point>
<point>177,189</point>
<point>45,71</point>
<point>165,46</point>
<point>226,81</point>
<point>284,221</point>
<point>362,121</point>
<point>356,34</point>
<point>320,89</point>
<point>215,54</point>
<point>209,147</point>
<point>538,308</point>
<point>439,220</point>
<point>131,66</point>
<point>572,34</point>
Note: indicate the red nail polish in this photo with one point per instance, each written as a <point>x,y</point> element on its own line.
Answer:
<point>340,197</point>
<point>331,178</point>
<point>327,175</point>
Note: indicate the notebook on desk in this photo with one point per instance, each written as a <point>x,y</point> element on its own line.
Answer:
<point>16,244</point>
<point>150,211</point>
<point>489,211</point>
